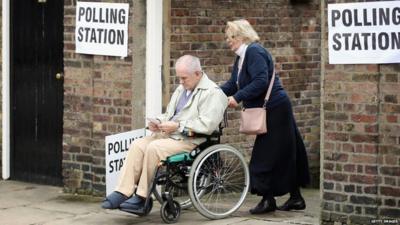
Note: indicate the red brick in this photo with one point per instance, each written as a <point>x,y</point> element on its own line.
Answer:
<point>337,136</point>
<point>348,147</point>
<point>363,179</point>
<point>371,170</point>
<point>180,12</point>
<point>364,159</point>
<point>339,177</point>
<point>391,118</point>
<point>121,120</point>
<point>391,171</point>
<point>84,158</point>
<point>363,118</point>
<point>390,191</point>
<point>349,168</point>
<point>340,157</point>
<point>364,138</point>
<point>390,160</point>
<point>328,166</point>
<point>327,176</point>
<point>101,118</point>
<point>390,181</point>
<point>371,149</point>
<point>371,190</point>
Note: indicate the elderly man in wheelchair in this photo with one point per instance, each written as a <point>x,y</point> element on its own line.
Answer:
<point>182,139</point>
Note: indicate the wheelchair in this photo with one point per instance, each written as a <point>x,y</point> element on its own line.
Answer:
<point>213,178</point>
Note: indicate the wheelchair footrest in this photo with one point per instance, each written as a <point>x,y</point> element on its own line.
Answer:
<point>139,212</point>
<point>143,211</point>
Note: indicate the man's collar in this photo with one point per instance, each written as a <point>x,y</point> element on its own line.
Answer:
<point>202,83</point>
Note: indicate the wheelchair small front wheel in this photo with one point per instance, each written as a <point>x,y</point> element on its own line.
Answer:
<point>176,188</point>
<point>170,214</point>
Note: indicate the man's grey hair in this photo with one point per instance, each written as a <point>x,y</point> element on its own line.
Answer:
<point>191,63</point>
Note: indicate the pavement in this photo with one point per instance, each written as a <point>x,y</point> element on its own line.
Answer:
<point>32,204</point>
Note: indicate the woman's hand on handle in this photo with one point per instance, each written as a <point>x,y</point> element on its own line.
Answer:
<point>232,103</point>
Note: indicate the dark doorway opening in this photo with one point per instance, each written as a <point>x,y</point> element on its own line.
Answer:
<point>36,84</point>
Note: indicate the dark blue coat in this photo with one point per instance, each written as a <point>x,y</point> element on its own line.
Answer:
<point>278,161</point>
<point>254,80</point>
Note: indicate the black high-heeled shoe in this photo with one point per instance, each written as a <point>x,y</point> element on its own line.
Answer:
<point>264,206</point>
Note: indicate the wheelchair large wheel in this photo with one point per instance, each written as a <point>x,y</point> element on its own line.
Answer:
<point>218,181</point>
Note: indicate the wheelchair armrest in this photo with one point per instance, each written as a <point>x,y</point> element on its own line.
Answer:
<point>214,134</point>
<point>217,133</point>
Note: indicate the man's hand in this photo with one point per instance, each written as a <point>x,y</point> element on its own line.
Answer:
<point>168,127</point>
<point>232,103</point>
<point>153,127</point>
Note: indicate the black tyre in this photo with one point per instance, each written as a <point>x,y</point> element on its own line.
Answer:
<point>169,215</point>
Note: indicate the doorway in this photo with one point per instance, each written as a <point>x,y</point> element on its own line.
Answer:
<point>36,85</point>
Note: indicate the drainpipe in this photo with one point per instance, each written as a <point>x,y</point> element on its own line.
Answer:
<point>6,89</point>
<point>154,23</point>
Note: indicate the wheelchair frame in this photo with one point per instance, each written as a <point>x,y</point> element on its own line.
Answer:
<point>181,165</point>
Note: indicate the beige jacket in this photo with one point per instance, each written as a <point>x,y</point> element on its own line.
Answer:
<point>202,113</point>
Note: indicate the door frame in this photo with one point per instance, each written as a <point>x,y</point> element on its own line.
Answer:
<point>6,89</point>
<point>154,60</point>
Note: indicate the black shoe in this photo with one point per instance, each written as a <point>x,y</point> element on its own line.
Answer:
<point>266,205</point>
<point>293,204</point>
<point>113,200</point>
<point>133,203</point>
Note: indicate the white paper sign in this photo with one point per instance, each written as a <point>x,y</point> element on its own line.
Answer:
<point>116,148</point>
<point>364,33</point>
<point>102,28</point>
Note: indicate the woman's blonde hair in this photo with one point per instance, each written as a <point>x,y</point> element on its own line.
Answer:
<point>241,28</point>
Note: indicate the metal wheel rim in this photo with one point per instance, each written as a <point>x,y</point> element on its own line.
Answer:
<point>242,166</point>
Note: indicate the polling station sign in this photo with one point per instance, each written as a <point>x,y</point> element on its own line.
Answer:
<point>102,28</point>
<point>364,33</point>
<point>116,148</point>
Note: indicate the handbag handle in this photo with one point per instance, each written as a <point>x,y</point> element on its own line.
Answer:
<point>271,83</point>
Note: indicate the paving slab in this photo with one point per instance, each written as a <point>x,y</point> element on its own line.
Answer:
<point>29,215</point>
<point>32,204</point>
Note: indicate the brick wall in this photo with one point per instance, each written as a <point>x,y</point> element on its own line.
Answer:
<point>102,97</point>
<point>1,96</point>
<point>388,169</point>
<point>101,92</point>
<point>291,32</point>
<point>361,142</point>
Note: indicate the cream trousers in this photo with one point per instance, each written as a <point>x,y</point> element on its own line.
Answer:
<point>142,159</point>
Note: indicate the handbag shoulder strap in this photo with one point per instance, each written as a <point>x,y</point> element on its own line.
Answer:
<point>271,83</point>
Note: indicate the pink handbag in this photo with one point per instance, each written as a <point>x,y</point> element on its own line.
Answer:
<point>254,120</point>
